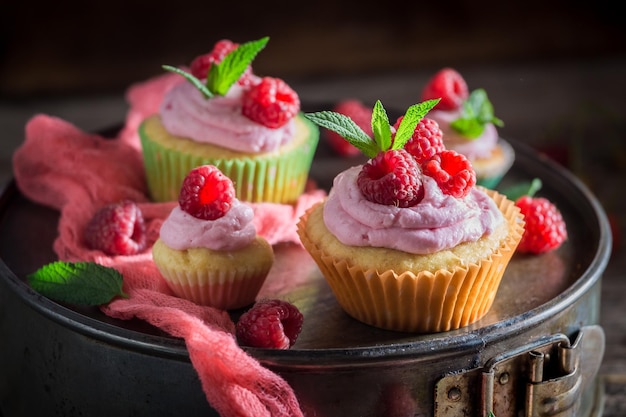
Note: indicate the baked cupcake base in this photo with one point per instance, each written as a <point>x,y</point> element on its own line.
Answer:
<point>278,177</point>
<point>429,296</point>
<point>490,170</point>
<point>223,279</point>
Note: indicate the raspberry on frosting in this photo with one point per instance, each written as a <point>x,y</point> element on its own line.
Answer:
<point>426,141</point>
<point>392,178</point>
<point>206,193</point>
<point>452,171</point>
<point>272,103</point>
<point>449,86</point>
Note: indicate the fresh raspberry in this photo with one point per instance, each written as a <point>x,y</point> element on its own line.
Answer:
<point>545,228</point>
<point>448,85</point>
<point>271,102</point>
<point>117,229</point>
<point>452,171</point>
<point>206,193</point>
<point>426,141</point>
<point>392,178</point>
<point>201,64</point>
<point>361,115</point>
<point>273,324</point>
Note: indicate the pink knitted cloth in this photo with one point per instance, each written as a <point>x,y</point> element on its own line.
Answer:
<point>62,167</point>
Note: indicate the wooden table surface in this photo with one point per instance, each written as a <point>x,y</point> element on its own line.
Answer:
<point>574,109</point>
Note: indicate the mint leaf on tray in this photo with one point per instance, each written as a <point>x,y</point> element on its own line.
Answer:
<point>83,283</point>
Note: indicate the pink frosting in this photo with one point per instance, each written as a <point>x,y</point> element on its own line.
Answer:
<point>471,148</point>
<point>186,112</point>
<point>234,230</point>
<point>438,222</point>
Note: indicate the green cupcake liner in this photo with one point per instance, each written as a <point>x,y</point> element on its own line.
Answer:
<point>276,177</point>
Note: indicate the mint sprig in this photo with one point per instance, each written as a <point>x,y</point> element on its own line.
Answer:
<point>381,128</point>
<point>476,113</point>
<point>224,74</point>
<point>82,283</point>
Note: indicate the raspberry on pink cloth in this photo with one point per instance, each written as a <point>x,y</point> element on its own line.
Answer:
<point>75,172</point>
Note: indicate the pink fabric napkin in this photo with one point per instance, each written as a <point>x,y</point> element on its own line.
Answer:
<point>75,172</point>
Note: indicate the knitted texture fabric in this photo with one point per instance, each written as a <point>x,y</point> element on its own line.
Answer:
<point>76,173</point>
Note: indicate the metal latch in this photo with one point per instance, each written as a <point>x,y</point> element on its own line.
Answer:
<point>544,378</point>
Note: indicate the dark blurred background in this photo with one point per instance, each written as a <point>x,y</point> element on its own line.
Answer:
<point>82,47</point>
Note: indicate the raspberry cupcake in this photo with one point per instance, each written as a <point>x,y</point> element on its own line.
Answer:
<point>208,250</point>
<point>469,125</point>
<point>222,114</point>
<point>407,241</point>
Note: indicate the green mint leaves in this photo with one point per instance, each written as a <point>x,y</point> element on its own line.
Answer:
<point>476,112</point>
<point>224,74</point>
<point>227,72</point>
<point>411,118</point>
<point>346,128</point>
<point>381,128</point>
<point>83,283</point>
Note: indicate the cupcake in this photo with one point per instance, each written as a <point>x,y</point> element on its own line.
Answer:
<point>407,241</point>
<point>222,114</point>
<point>208,250</point>
<point>469,125</point>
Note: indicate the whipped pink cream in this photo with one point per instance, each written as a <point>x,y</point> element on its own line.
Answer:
<point>233,231</point>
<point>480,147</point>
<point>186,112</point>
<point>438,222</point>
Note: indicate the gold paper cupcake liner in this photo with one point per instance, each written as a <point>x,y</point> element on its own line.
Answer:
<point>424,302</point>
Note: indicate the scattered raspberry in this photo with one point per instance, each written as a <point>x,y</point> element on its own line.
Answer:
<point>206,193</point>
<point>271,102</point>
<point>427,139</point>
<point>117,229</point>
<point>545,228</point>
<point>392,178</point>
<point>448,85</point>
<point>361,115</point>
<point>200,66</point>
<point>452,171</point>
<point>273,324</point>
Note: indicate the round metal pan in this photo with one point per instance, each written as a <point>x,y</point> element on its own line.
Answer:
<point>65,360</point>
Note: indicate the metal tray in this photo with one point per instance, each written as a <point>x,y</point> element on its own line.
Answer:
<point>533,289</point>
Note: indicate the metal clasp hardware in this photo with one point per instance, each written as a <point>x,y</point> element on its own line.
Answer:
<point>557,388</point>
<point>543,378</point>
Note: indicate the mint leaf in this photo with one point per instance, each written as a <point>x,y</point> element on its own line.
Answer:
<point>83,283</point>
<point>381,129</point>
<point>476,113</point>
<point>345,127</point>
<point>518,190</point>
<point>224,74</point>
<point>411,118</point>
<point>196,82</point>
<point>380,126</point>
